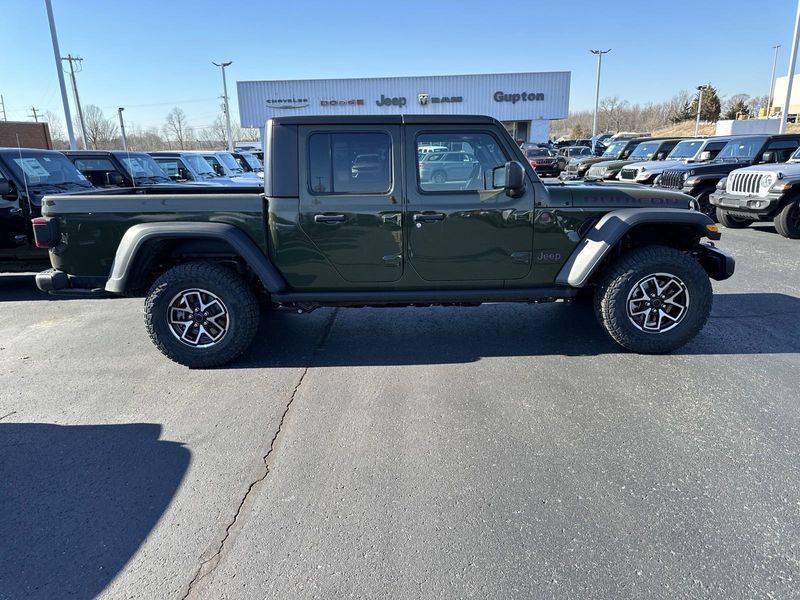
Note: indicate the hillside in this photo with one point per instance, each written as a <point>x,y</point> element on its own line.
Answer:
<point>686,129</point>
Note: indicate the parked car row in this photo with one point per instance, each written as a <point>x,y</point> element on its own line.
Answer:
<point>738,180</point>
<point>28,174</point>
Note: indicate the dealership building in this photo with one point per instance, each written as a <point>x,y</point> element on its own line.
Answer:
<point>524,102</point>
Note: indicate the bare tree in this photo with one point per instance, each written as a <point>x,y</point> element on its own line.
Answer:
<point>177,127</point>
<point>613,112</point>
<point>57,130</point>
<point>100,132</point>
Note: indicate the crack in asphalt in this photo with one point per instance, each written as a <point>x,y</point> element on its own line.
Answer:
<point>208,565</point>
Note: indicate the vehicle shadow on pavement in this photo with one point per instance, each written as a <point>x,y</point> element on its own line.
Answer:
<point>22,288</point>
<point>77,501</point>
<point>739,324</point>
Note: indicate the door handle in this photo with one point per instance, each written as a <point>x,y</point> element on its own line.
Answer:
<point>428,217</point>
<point>329,218</point>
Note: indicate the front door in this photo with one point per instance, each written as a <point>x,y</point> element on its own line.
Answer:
<point>351,200</point>
<point>459,226</point>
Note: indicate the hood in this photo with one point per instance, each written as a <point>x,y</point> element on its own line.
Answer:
<point>588,162</point>
<point>612,165</point>
<point>788,170</point>
<point>605,195</point>
<point>710,167</point>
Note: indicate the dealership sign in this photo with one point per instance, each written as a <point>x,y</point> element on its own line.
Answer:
<point>356,102</point>
<point>514,98</point>
<point>424,99</point>
<point>396,101</point>
<point>287,103</point>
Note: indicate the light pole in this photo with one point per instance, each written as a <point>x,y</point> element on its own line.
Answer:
<point>790,75</point>
<point>700,89</point>
<point>772,79</point>
<point>122,129</point>
<point>225,101</point>
<point>599,54</point>
<point>57,53</point>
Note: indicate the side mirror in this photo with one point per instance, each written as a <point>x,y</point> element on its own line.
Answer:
<point>5,188</point>
<point>510,177</point>
<point>183,174</point>
<point>768,157</point>
<point>705,155</point>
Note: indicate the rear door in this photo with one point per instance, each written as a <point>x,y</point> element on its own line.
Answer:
<point>462,229</point>
<point>351,199</point>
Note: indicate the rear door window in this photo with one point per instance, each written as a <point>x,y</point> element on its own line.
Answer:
<point>349,163</point>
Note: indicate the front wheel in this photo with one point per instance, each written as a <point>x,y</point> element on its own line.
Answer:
<point>704,205</point>
<point>787,222</point>
<point>439,177</point>
<point>730,221</point>
<point>201,314</point>
<point>653,299</point>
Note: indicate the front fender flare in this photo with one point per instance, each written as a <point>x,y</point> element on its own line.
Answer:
<point>139,235</point>
<point>610,229</point>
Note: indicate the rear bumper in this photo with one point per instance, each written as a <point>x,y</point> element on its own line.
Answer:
<point>59,283</point>
<point>718,264</point>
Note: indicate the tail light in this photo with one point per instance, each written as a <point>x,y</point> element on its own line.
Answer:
<point>45,232</point>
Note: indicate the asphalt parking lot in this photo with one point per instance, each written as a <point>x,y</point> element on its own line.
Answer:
<point>507,451</point>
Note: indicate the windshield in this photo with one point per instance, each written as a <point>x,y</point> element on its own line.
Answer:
<point>646,150</point>
<point>687,149</point>
<point>615,149</point>
<point>44,169</point>
<point>254,163</point>
<point>199,164</point>
<point>536,152</point>
<point>142,165</point>
<point>226,158</point>
<point>739,149</point>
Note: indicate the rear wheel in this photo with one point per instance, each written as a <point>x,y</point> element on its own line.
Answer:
<point>201,314</point>
<point>787,222</point>
<point>653,299</point>
<point>730,221</point>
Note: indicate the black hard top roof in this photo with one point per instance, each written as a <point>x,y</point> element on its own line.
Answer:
<point>101,152</point>
<point>10,150</point>
<point>384,120</point>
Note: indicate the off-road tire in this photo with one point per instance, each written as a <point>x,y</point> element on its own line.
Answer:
<point>704,205</point>
<point>728,220</point>
<point>615,285</point>
<point>236,296</point>
<point>787,222</point>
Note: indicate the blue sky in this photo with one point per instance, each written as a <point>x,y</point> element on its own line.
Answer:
<point>150,55</point>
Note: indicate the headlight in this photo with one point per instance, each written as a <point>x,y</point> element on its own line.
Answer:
<point>691,181</point>
<point>767,180</point>
<point>643,176</point>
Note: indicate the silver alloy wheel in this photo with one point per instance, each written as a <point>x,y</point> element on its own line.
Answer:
<point>657,303</point>
<point>198,318</point>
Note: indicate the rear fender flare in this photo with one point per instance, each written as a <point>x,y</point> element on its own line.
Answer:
<point>611,228</point>
<point>139,236</point>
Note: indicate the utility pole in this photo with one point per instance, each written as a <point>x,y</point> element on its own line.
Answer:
<point>599,54</point>
<point>57,54</point>
<point>772,79</point>
<point>226,106</point>
<point>34,115</point>
<point>122,128</point>
<point>72,60</point>
<point>3,107</point>
<point>790,75</point>
<point>700,89</point>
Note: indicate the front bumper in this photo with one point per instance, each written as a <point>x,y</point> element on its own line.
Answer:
<point>754,206</point>
<point>718,264</point>
<point>59,283</point>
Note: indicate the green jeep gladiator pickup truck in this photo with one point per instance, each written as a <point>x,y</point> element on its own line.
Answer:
<point>346,220</point>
